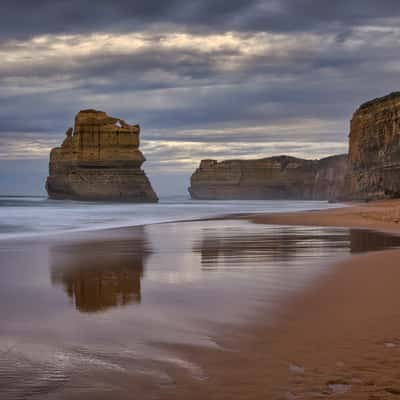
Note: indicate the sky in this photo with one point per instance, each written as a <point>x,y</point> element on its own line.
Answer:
<point>204,79</point>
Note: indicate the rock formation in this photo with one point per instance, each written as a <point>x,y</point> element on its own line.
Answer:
<point>280,177</point>
<point>374,151</point>
<point>99,160</point>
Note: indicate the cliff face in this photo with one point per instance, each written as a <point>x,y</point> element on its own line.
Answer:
<point>374,154</point>
<point>99,160</point>
<point>281,177</point>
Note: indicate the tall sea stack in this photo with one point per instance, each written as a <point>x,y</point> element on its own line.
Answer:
<point>374,150</point>
<point>99,160</point>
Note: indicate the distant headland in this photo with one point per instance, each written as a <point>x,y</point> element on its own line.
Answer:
<point>273,178</point>
<point>370,171</point>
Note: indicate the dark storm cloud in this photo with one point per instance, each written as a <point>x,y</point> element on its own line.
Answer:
<point>76,16</point>
<point>23,18</point>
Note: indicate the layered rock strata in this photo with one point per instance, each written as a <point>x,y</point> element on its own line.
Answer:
<point>374,149</point>
<point>99,160</point>
<point>281,177</point>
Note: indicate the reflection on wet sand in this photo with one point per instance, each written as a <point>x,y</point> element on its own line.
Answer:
<point>100,275</point>
<point>285,244</point>
<point>191,279</point>
<point>362,241</point>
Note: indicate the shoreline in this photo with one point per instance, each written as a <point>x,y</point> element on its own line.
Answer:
<point>339,339</point>
<point>336,337</point>
<point>329,342</point>
<point>382,215</point>
<point>181,213</point>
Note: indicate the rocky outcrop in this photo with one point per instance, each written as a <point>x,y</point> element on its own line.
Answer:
<point>99,160</point>
<point>281,177</point>
<point>374,150</point>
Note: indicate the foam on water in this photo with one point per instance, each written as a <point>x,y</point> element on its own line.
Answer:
<point>30,216</point>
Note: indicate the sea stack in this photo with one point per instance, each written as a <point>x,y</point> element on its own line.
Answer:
<point>273,178</point>
<point>374,150</point>
<point>99,160</point>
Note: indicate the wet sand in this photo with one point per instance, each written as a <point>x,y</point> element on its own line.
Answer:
<point>339,339</point>
<point>378,215</point>
<point>99,314</point>
<point>207,310</point>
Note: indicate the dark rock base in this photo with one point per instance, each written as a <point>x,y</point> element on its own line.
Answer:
<point>101,184</point>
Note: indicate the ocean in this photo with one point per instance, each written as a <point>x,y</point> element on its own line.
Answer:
<point>26,216</point>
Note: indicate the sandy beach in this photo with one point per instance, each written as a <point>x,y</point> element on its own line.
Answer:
<point>278,306</point>
<point>340,339</point>
<point>377,215</point>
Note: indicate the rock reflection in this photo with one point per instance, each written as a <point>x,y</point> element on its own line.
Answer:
<point>285,244</point>
<point>100,275</point>
<point>275,244</point>
<point>363,240</point>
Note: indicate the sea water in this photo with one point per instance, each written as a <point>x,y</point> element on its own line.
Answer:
<point>30,216</point>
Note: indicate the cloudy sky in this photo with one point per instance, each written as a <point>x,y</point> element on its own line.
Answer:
<point>205,79</point>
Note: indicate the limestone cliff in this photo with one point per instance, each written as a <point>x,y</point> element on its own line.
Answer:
<point>374,151</point>
<point>280,177</point>
<point>99,160</point>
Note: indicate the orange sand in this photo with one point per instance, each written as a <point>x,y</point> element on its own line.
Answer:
<point>340,340</point>
<point>378,215</point>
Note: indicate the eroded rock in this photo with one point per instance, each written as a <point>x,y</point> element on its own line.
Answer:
<point>99,160</point>
<point>280,177</point>
<point>374,151</point>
